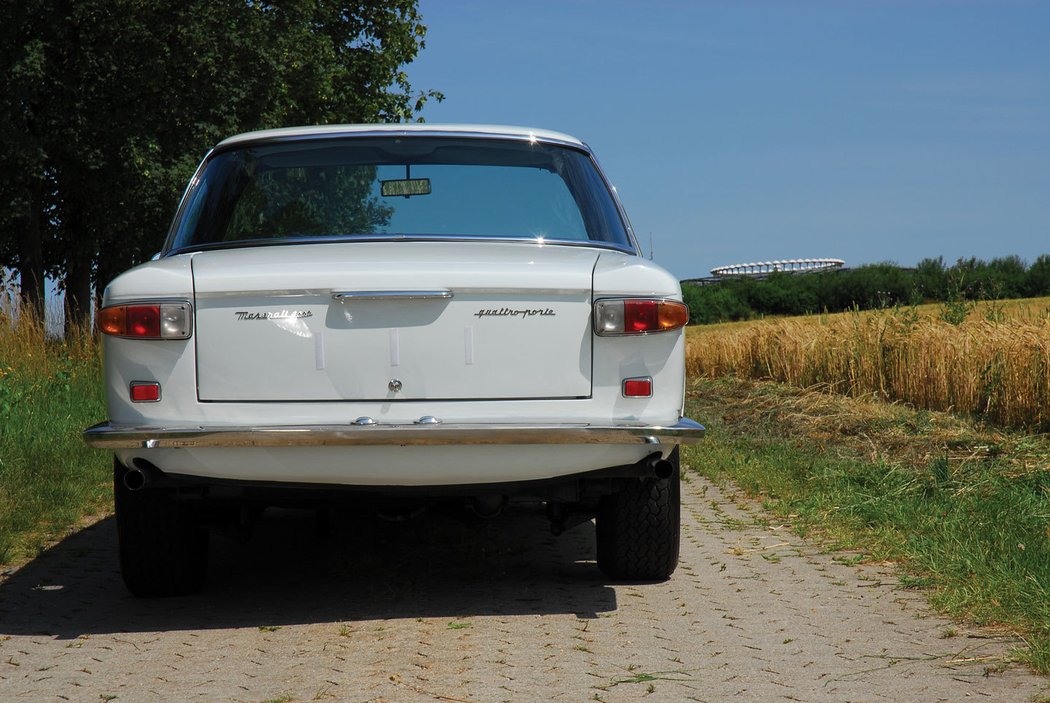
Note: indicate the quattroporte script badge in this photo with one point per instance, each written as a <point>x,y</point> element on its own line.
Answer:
<point>511,312</point>
<point>279,315</point>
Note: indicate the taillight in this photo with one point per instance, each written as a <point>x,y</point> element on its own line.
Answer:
<point>147,320</point>
<point>638,316</point>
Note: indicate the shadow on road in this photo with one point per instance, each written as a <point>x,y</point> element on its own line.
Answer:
<point>366,569</point>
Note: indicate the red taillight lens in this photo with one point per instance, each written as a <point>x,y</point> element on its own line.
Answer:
<point>147,321</point>
<point>640,316</point>
<point>620,316</point>
<point>143,321</point>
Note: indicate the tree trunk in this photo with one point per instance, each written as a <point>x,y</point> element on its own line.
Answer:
<point>31,255</point>
<point>78,295</point>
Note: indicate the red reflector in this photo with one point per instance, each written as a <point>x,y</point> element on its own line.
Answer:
<point>638,387</point>
<point>143,321</point>
<point>145,392</point>
<point>641,315</point>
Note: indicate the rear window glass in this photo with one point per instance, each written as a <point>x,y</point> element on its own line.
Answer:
<point>414,187</point>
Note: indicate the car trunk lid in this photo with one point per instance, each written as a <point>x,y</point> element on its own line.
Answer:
<point>390,321</point>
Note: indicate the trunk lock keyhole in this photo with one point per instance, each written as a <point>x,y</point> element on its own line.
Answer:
<point>394,385</point>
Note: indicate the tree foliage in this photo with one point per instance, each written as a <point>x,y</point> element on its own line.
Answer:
<point>110,104</point>
<point>866,287</point>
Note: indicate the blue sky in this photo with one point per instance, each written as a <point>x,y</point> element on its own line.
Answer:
<point>739,131</point>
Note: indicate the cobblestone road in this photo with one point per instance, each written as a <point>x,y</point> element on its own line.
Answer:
<point>434,610</point>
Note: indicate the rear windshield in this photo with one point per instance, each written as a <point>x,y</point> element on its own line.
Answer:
<point>414,187</point>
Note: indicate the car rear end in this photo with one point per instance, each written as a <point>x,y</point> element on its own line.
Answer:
<point>412,314</point>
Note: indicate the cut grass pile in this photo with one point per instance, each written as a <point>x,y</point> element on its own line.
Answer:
<point>995,363</point>
<point>963,507</point>
<point>50,390</point>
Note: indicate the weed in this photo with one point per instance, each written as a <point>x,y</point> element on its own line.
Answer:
<point>269,628</point>
<point>458,625</point>
<point>649,678</point>
<point>322,693</point>
<point>916,582</point>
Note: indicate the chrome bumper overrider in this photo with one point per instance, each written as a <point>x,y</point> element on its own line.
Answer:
<point>106,436</point>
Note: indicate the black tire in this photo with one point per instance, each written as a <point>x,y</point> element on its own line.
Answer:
<point>639,529</point>
<point>163,551</point>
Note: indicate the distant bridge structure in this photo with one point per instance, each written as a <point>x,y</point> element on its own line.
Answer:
<point>764,268</point>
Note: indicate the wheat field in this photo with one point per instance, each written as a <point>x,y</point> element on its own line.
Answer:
<point>995,363</point>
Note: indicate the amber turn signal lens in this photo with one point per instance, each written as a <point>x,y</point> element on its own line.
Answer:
<point>113,320</point>
<point>672,315</point>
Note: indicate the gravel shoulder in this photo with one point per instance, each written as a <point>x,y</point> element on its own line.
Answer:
<point>436,610</point>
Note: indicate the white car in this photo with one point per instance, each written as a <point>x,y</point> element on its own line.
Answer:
<point>404,314</point>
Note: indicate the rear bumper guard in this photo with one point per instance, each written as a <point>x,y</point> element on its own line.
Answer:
<point>107,436</point>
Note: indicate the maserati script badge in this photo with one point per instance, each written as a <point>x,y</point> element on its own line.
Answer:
<point>279,315</point>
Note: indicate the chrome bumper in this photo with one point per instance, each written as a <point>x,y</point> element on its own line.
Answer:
<point>106,436</point>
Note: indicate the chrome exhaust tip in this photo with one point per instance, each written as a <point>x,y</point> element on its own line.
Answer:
<point>135,479</point>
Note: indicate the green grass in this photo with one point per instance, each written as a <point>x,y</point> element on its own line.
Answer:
<point>49,479</point>
<point>965,509</point>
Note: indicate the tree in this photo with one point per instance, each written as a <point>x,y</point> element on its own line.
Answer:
<point>111,104</point>
<point>1038,278</point>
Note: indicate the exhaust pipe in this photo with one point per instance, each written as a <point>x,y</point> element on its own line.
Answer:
<point>142,474</point>
<point>135,479</point>
<point>487,507</point>
<point>660,467</point>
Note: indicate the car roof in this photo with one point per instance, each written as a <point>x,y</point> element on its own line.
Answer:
<point>476,130</point>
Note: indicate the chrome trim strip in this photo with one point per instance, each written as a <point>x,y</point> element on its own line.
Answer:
<point>344,295</point>
<point>106,436</point>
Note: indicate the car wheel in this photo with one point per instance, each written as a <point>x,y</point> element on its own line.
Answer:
<point>638,528</point>
<point>163,550</point>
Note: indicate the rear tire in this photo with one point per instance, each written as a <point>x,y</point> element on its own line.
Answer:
<point>163,550</point>
<point>638,529</point>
